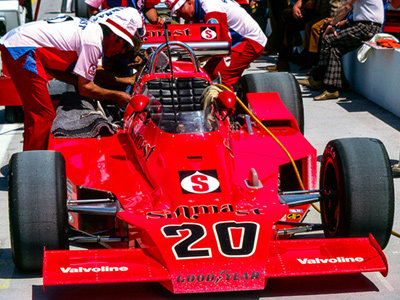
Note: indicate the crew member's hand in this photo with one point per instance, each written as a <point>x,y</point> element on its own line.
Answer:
<point>160,21</point>
<point>297,12</point>
<point>330,29</point>
<point>123,99</point>
<point>137,63</point>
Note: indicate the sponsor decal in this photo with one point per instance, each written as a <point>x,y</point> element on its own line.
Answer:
<point>141,144</point>
<point>208,33</point>
<point>92,70</point>
<point>186,32</point>
<point>193,212</point>
<point>300,211</point>
<point>307,261</point>
<point>212,21</point>
<point>94,270</point>
<point>219,277</point>
<point>199,182</point>
<point>293,216</point>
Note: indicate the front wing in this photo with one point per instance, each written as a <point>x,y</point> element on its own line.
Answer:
<point>285,258</point>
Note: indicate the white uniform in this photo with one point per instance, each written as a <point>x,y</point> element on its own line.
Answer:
<point>369,10</point>
<point>241,24</point>
<point>64,43</point>
<point>134,16</point>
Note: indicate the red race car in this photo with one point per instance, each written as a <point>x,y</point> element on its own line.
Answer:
<point>195,190</point>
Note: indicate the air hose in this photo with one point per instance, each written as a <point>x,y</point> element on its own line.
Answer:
<point>270,133</point>
<point>296,170</point>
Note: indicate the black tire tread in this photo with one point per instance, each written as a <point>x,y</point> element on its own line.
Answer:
<point>368,188</point>
<point>37,207</point>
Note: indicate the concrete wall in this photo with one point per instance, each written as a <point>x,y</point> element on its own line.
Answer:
<point>377,79</point>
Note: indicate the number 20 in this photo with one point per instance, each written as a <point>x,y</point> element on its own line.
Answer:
<point>184,249</point>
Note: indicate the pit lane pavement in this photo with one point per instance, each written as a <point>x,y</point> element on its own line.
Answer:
<point>350,116</point>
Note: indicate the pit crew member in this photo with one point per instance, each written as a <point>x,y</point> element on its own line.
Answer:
<point>61,46</point>
<point>119,68</point>
<point>146,7</point>
<point>247,39</point>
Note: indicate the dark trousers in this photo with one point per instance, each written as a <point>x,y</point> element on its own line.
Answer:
<point>292,27</point>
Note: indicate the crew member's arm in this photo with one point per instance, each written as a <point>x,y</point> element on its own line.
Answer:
<point>152,15</point>
<point>341,14</point>
<point>102,77</point>
<point>296,10</point>
<point>106,77</point>
<point>89,89</point>
<point>64,76</point>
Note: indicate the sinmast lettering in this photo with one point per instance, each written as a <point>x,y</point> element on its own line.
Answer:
<point>193,212</point>
<point>141,143</point>
<point>160,33</point>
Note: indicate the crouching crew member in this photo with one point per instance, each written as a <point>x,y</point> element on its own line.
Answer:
<point>247,39</point>
<point>68,47</point>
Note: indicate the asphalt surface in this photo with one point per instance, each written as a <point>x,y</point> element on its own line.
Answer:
<point>350,116</point>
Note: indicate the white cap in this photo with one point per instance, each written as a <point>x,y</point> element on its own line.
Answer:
<point>173,5</point>
<point>123,21</point>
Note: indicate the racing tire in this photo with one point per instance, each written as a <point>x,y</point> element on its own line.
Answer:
<point>81,9</point>
<point>283,83</point>
<point>37,207</point>
<point>13,114</point>
<point>359,201</point>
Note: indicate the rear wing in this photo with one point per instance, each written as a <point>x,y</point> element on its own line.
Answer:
<point>203,39</point>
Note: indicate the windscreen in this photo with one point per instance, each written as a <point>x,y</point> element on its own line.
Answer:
<point>176,121</point>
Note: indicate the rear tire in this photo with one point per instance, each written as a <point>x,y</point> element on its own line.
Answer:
<point>283,83</point>
<point>357,173</point>
<point>37,207</point>
<point>14,114</point>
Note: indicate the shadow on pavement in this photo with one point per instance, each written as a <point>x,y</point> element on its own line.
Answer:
<point>277,287</point>
<point>3,180</point>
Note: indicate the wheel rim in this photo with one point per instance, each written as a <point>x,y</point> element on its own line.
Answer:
<point>330,206</point>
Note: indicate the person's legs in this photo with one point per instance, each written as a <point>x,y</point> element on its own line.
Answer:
<point>38,108</point>
<point>241,57</point>
<point>213,67</point>
<point>276,8</point>
<point>292,27</point>
<point>334,47</point>
<point>315,35</point>
<point>239,63</point>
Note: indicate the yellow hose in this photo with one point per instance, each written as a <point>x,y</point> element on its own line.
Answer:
<point>283,147</point>
<point>270,133</point>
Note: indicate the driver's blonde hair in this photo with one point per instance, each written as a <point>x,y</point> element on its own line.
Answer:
<point>209,95</point>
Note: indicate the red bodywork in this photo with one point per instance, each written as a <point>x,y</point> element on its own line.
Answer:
<point>192,222</point>
<point>9,94</point>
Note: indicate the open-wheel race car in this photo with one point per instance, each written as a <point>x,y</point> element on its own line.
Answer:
<point>198,192</point>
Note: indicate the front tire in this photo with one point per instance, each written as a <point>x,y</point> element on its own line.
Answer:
<point>37,207</point>
<point>357,175</point>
